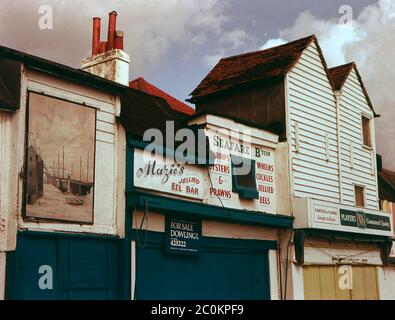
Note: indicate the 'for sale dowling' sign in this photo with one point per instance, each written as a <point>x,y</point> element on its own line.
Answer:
<point>183,236</point>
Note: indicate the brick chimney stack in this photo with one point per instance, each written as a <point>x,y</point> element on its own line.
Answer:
<point>108,59</point>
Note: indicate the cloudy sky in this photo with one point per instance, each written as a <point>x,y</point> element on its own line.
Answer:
<point>174,43</point>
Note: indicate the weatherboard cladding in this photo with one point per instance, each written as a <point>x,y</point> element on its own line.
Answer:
<point>140,110</point>
<point>353,104</point>
<point>311,104</point>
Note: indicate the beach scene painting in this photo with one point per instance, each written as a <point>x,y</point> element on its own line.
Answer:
<point>60,160</point>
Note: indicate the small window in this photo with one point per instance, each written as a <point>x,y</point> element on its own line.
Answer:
<point>243,177</point>
<point>367,141</point>
<point>359,196</point>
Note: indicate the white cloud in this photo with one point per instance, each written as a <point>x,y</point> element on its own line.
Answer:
<point>152,27</point>
<point>273,43</point>
<point>237,38</point>
<point>229,41</point>
<point>212,60</point>
<point>368,41</point>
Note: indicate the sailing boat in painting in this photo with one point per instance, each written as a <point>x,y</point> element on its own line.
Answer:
<point>68,185</point>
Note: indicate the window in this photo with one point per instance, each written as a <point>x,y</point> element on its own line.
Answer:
<point>367,141</point>
<point>359,196</point>
<point>243,177</point>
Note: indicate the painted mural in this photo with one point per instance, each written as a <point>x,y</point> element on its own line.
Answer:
<point>60,160</point>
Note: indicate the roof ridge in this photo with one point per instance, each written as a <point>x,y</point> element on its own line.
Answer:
<point>349,64</point>
<point>311,37</point>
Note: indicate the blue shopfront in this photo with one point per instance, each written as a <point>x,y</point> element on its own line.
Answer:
<point>57,266</point>
<point>182,249</point>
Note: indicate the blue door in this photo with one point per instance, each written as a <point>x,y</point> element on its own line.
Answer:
<point>225,269</point>
<point>79,267</point>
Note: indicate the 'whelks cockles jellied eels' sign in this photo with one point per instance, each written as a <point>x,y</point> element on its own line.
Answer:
<point>223,148</point>
<point>155,173</point>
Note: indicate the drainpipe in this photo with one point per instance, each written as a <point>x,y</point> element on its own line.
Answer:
<point>338,94</point>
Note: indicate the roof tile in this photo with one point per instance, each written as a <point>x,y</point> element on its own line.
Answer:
<point>143,85</point>
<point>339,74</point>
<point>263,64</point>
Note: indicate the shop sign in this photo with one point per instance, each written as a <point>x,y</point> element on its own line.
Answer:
<point>183,236</point>
<point>326,215</point>
<point>158,174</point>
<point>317,214</point>
<point>360,219</point>
<point>220,174</point>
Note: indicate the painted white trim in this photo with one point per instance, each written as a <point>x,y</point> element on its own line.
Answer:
<point>351,155</point>
<point>297,140</point>
<point>369,117</point>
<point>339,148</point>
<point>273,274</point>
<point>386,280</point>
<point>355,195</point>
<point>327,151</point>
<point>133,270</point>
<point>297,281</point>
<point>105,218</point>
<point>2,274</point>
<point>220,123</point>
<point>289,139</point>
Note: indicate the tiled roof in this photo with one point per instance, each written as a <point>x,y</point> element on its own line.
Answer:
<point>143,85</point>
<point>62,71</point>
<point>258,65</point>
<point>141,111</point>
<point>339,74</point>
<point>388,176</point>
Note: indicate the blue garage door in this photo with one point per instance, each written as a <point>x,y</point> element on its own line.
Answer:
<point>82,268</point>
<point>225,269</point>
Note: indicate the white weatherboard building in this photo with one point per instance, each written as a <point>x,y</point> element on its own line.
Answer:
<point>326,124</point>
<point>67,209</point>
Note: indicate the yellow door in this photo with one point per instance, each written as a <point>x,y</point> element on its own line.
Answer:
<point>334,283</point>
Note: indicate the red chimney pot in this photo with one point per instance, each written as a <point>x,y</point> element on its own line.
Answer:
<point>103,47</point>
<point>96,36</point>
<point>118,43</point>
<point>112,26</point>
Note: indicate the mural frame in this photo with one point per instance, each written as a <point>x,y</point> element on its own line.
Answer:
<point>25,216</point>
